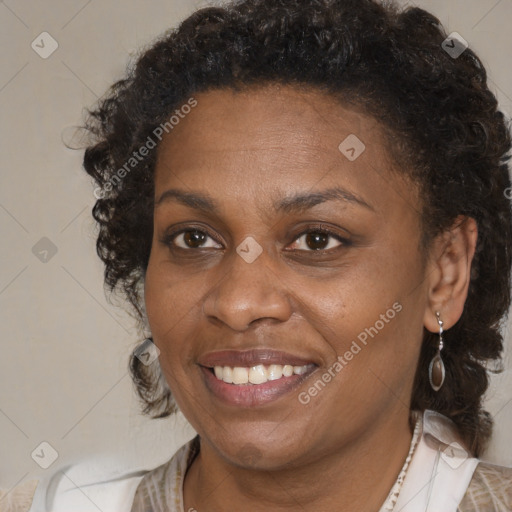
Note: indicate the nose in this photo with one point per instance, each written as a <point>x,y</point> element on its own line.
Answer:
<point>248,293</point>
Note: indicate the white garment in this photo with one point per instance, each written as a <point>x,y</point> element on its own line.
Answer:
<point>437,479</point>
<point>86,487</point>
<point>440,470</point>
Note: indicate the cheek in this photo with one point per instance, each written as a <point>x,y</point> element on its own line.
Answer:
<point>168,296</point>
<point>171,305</point>
<point>169,302</point>
<point>371,319</point>
<point>351,300</point>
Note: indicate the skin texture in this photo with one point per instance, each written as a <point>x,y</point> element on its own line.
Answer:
<point>247,150</point>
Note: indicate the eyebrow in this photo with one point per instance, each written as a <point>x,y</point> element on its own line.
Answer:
<point>294,203</point>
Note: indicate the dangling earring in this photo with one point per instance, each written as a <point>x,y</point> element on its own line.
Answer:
<point>436,370</point>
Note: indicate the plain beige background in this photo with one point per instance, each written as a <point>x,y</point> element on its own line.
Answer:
<point>63,364</point>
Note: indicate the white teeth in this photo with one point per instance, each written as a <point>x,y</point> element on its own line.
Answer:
<point>227,374</point>
<point>300,370</point>
<point>258,374</point>
<point>287,370</point>
<point>240,375</point>
<point>274,372</point>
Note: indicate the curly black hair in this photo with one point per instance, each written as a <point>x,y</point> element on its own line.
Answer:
<point>443,123</point>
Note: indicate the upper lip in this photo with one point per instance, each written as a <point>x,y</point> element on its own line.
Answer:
<point>251,357</point>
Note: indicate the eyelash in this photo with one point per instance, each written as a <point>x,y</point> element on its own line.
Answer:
<point>344,242</point>
<point>169,238</point>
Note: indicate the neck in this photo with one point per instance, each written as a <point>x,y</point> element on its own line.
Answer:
<point>355,477</point>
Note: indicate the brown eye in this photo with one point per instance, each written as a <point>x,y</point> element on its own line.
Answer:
<point>193,239</point>
<point>317,241</point>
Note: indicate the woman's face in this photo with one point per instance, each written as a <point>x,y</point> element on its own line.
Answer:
<point>274,245</point>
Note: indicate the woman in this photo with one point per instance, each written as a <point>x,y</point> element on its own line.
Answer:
<point>305,202</point>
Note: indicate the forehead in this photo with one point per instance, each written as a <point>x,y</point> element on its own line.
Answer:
<point>270,118</point>
<point>274,138</point>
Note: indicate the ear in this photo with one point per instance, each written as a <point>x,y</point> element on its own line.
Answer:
<point>449,271</point>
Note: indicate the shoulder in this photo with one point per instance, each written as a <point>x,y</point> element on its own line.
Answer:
<point>87,487</point>
<point>162,488</point>
<point>101,485</point>
<point>489,489</point>
<point>484,486</point>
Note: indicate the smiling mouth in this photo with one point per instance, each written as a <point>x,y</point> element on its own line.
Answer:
<point>259,374</point>
<point>254,377</point>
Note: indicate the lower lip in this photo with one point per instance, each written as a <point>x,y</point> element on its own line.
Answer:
<point>252,395</point>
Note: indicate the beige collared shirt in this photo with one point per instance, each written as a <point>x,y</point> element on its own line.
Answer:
<point>440,478</point>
